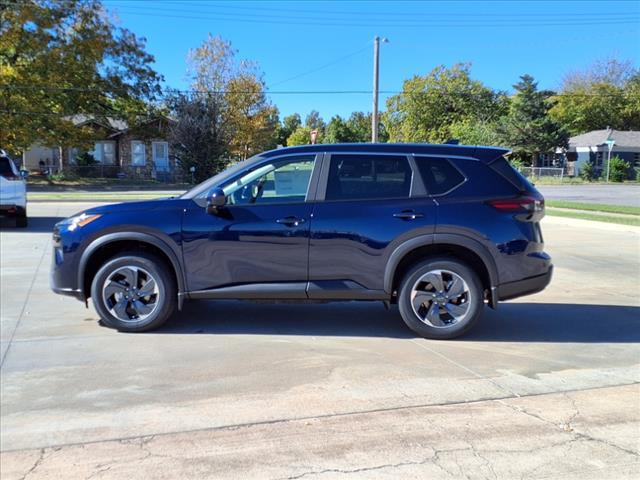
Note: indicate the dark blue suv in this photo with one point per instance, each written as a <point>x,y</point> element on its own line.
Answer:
<point>438,230</point>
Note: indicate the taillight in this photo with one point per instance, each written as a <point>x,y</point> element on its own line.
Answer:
<point>11,177</point>
<point>519,204</point>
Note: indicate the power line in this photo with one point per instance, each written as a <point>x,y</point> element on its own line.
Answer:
<point>429,24</point>
<point>201,4</point>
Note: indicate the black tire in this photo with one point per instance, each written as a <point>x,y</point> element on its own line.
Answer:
<point>166,297</point>
<point>475,299</point>
<point>21,218</point>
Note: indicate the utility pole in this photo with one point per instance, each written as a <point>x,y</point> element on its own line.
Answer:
<point>376,61</point>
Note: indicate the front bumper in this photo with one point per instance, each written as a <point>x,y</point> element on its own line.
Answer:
<point>526,286</point>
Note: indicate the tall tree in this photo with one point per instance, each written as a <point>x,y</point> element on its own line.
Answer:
<point>603,95</point>
<point>237,117</point>
<point>528,129</point>
<point>60,58</point>
<point>429,105</point>
<point>314,121</point>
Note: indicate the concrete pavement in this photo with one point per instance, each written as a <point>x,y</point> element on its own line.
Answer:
<point>545,386</point>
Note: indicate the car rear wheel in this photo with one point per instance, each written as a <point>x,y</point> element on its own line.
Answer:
<point>134,292</point>
<point>441,298</point>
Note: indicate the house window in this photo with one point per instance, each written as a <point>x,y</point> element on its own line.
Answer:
<point>636,159</point>
<point>105,153</point>
<point>137,153</point>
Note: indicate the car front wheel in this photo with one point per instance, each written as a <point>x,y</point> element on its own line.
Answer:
<point>134,292</point>
<point>441,298</point>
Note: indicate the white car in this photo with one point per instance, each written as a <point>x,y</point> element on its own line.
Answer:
<point>13,192</point>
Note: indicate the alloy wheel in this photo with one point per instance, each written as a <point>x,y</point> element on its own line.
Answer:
<point>131,294</point>
<point>441,298</point>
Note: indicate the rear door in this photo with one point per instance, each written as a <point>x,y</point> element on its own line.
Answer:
<point>367,204</point>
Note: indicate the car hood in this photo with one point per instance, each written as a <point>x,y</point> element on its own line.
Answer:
<point>130,206</point>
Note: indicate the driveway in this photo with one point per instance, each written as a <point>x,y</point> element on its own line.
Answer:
<point>611,194</point>
<point>545,386</point>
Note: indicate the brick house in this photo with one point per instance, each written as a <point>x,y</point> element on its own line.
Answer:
<point>140,151</point>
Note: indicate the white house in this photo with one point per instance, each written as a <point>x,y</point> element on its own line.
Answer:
<point>592,146</point>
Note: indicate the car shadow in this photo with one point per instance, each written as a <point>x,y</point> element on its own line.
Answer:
<point>512,322</point>
<point>36,224</point>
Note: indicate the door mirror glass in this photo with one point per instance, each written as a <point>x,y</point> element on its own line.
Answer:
<point>216,199</point>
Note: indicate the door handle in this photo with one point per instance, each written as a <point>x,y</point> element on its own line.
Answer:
<point>290,221</point>
<point>408,215</point>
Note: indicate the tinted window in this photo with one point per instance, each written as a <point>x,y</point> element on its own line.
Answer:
<point>273,182</point>
<point>6,167</point>
<point>504,168</point>
<point>353,177</point>
<point>438,174</point>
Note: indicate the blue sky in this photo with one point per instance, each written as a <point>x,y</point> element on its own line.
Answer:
<point>501,39</point>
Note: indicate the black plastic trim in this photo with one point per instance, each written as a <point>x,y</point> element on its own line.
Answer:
<point>527,286</point>
<point>255,291</point>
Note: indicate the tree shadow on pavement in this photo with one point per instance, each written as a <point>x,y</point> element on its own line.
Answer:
<point>512,322</point>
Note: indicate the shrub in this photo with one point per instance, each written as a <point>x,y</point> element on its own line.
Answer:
<point>85,160</point>
<point>588,172</point>
<point>618,169</point>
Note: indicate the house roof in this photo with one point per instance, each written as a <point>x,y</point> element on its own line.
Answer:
<point>622,138</point>
<point>109,122</point>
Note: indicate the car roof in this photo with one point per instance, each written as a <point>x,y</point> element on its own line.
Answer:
<point>483,153</point>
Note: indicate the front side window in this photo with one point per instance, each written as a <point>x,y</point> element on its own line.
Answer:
<point>438,174</point>
<point>284,181</point>
<point>355,177</point>
<point>137,153</point>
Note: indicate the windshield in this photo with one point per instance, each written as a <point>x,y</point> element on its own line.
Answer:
<point>201,189</point>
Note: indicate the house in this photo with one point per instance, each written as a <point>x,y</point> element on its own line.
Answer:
<point>592,146</point>
<point>140,151</point>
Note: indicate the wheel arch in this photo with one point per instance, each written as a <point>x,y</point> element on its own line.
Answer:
<point>111,244</point>
<point>464,248</point>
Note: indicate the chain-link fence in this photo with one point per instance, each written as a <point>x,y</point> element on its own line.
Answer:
<point>543,172</point>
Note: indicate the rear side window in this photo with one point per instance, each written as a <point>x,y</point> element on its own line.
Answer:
<point>438,174</point>
<point>353,177</point>
<point>6,168</point>
<point>504,168</point>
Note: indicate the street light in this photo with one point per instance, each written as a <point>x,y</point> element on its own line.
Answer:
<point>610,143</point>
<point>374,115</point>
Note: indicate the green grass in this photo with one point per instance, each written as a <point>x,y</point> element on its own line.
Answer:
<point>630,220</point>
<point>594,207</point>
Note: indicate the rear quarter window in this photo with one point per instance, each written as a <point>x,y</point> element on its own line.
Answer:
<point>439,175</point>
<point>7,169</point>
<point>504,168</point>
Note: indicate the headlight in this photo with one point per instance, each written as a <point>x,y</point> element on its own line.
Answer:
<point>79,221</point>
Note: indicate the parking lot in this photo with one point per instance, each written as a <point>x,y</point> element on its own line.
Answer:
<point>544,387</point>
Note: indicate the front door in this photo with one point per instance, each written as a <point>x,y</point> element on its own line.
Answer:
<point>160,151</point>
<point>260,240</point>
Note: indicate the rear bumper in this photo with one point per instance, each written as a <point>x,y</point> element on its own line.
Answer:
<point>526,286</point>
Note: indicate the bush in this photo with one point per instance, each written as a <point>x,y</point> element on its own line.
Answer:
<point>588,172</point>
<point>517,163</point>
<point>63,176</point>
<point>618,169</point>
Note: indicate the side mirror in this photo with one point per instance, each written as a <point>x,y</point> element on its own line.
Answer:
<point>24,174</point>
<point>216,199</point>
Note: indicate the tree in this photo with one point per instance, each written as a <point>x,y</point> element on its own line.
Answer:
<point>429,105</point>
<point>603,95</point>
<point>475,132</point>
<point>61,58</point>
<point>528,129</point>
<point>338,131</point>
<point>314,121</point>
<point>247,119</point>
<point>302,136</point>
<point>197,134</point>
<point>289,124</point>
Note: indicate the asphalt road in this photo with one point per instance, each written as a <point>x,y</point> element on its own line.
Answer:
<point>544,387</point>
<point>607,194</point>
